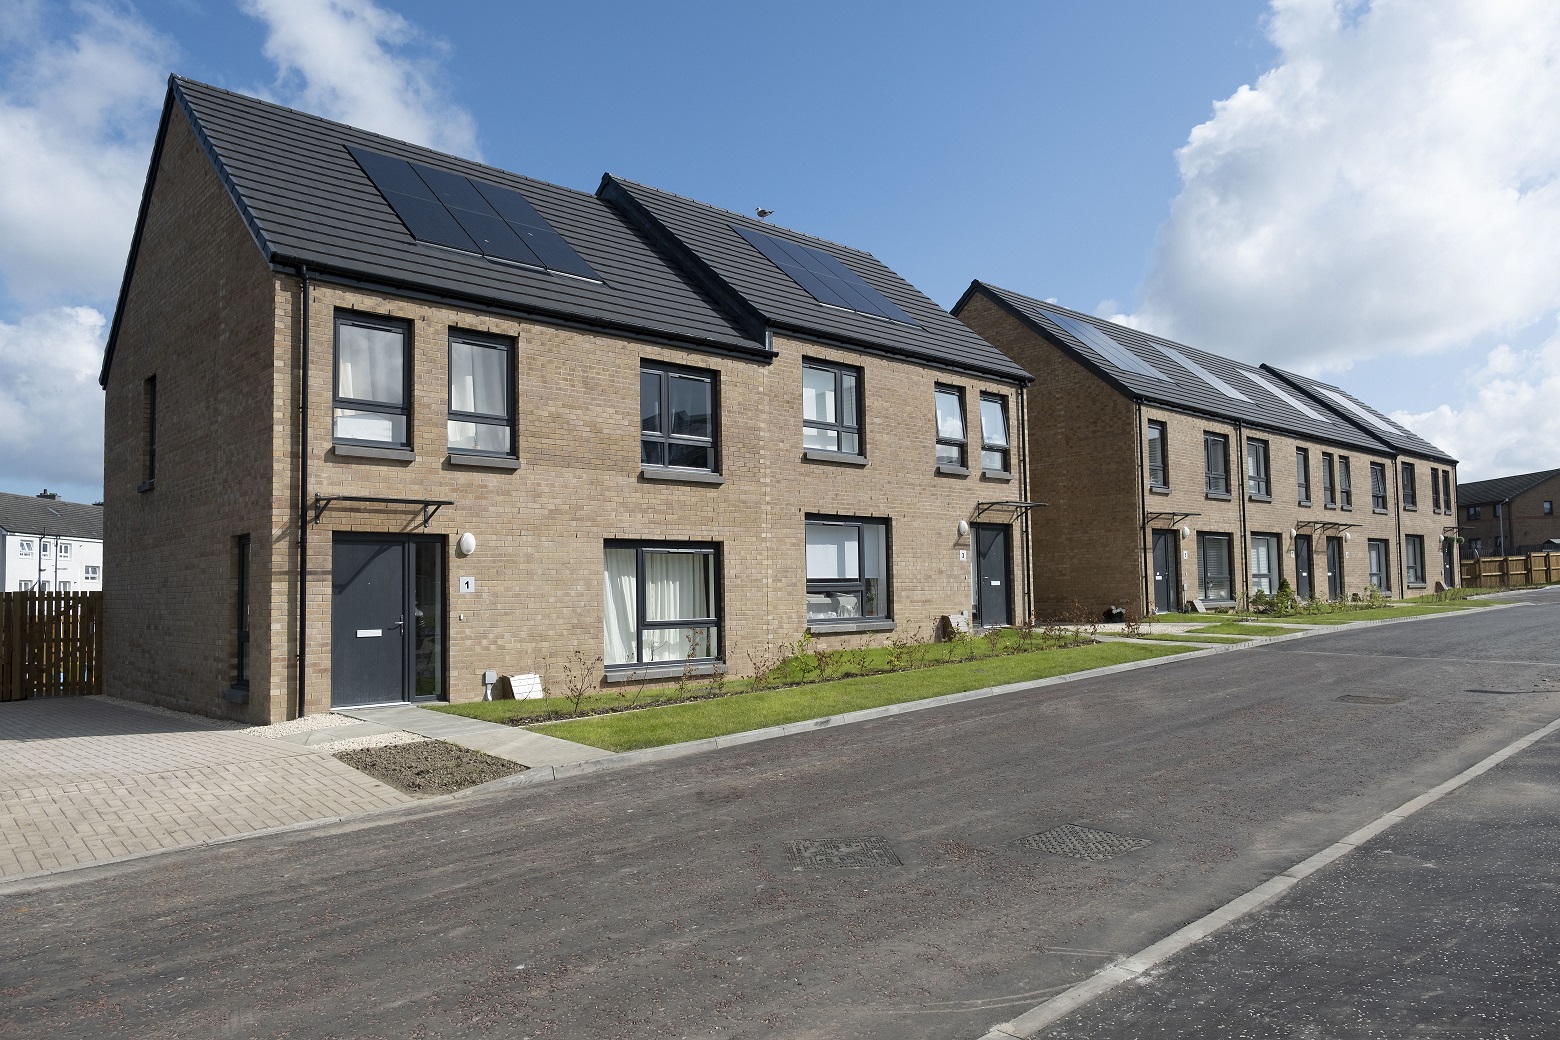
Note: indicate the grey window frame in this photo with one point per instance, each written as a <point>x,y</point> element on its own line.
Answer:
<point>1378,487</point>
<point>666,371</point>
<point>1446,491</point>
<point>1162,428</point>
<point>149,449</point>
<point>1303,475</point>
<point>1435,490</point>
<point>1386,562</point>
<point>962,444</point>
<point>1345,484</point>
<point>386,324</point>
<point>1259,485</point>
<point>860,429</point>
<point>1275,561</point>
<point>1329,481</point>
<point>717,622</point>
<point>491,341</point>
<point>1413,543</point>
<point>1549,507</point>
<point>1410,492</point>
<point>1202,564</point>
<point>1223,441</point>
<point>1475,512</point>
<point>823,586</point>
<point>1006,451</point>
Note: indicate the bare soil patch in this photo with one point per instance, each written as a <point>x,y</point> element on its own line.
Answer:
<point>429,767</point>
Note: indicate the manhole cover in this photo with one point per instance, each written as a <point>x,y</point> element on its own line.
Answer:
<point>1082,842</point>
<point>841,853</point>
<point>1366,698</point>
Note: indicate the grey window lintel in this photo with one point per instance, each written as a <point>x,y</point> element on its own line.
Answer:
<point>843,458</point>
<point>363,451</point>
<point>680,476</point>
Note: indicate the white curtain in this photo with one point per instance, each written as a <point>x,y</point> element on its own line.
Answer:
<point>1262,564</point>
<point>677,588</point>
<point>619,621</point>
<point>833,551</point>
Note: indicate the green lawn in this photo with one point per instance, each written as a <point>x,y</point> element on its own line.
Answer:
<point>1245,628</point>
<point>674,724</point>
<point>1182,637</point>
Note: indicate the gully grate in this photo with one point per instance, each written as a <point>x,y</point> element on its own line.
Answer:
<point>841,853</point>
<point>1365,698</point>
<point>1083,842</point>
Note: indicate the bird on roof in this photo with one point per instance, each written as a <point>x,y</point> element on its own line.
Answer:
<point>763,214</point>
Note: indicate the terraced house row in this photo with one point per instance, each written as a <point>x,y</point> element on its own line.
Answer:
<point>382,422</point>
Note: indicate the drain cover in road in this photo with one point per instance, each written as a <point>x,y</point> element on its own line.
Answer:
<point>1365,698</point>
<point>841,853</point>
<point>1083,842</point>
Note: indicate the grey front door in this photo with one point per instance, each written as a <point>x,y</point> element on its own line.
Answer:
<point>1303,566</point>
<point>1167,583</point>
<point>387,619</point>
<point>1335,568</point>
<point>993,575</point>
<point>368,622</point>
<point>1447,575</point>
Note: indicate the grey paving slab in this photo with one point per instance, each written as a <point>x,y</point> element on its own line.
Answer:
<point>511,742</point>
<point>331,734</point>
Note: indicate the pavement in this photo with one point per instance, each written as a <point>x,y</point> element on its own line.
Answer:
<point>83,780</point>
<point>511,742</point>
<point>899,878</point>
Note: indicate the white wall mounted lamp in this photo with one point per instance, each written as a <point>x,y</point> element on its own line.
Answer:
<point>467,544</point>
<point>964,528</point>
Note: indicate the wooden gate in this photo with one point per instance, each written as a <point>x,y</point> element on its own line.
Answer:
<point>51,644</point>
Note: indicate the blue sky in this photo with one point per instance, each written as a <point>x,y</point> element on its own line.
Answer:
<point>1277,181</point>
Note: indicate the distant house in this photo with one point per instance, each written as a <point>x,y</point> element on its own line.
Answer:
<point>50,545</point>
<point>380,420</point>
<point>1505,516</point>
<point>1175,475</point>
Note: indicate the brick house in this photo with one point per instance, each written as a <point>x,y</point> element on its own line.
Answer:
<point>1507,516</point>
<point>1175,475</point>
<point>380,420</point>
<point>50,545</point>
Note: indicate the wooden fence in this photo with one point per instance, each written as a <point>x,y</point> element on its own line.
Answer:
<point>51,644</point>
<point>1493,572</point>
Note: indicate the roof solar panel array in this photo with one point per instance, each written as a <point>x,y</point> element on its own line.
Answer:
<point>1101,341</point>
<point>823,276</point>
<point>1201,372</point>
<point>1292,400</point>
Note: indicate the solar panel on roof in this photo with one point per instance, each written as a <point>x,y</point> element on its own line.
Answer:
<point>1364,413</point>
<point>1201,373</point>
<point>1284,395</point>
<point>453,210</point>
<point>824,276</point>
<point>1101,341</point>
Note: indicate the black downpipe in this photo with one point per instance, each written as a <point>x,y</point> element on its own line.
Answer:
<point>1245,535</point>
<point>1025,532</point>
<point>303,492</point>
<point>1144,553</point>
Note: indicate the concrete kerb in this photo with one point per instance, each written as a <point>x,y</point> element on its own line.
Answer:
<point>545,774</point>
<point>1046,1014</point>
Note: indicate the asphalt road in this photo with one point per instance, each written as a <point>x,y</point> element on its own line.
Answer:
<point>663,901</point>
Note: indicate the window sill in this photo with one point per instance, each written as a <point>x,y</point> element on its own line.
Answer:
<point>362,451</point>
<point>1379,512</point>
<point>843,627</point>
<point>839,457</point>
<point>1413,509</point>
<point>1326,505</point>
<point>946,470</point>
<point>1259,498</point>
<point>634,672</point>
<point>483,461</point>
<point>1218,496</point>
<point>680,476</point>
<point>1347,509</point>
<point>144,486</point>
<point>996,474</point>
<point>1152,490</point>
<point>1418,585</point>
<point>1304,503</point>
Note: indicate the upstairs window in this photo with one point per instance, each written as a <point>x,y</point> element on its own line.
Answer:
<point>847,570</point>
<point>91,573</point>
<point>951,440</point>
<point>1257,483</point>
<point>63,550</point>
<point>1378,487</point>
<point>1435,490</point>
<point>831,408</point>
<point>676,417</point>
<point>149,434</point>
<point>1329,482</point>
<point>1158,465</point>
<point>373,376</point>
<point>482,414</point>
<point>1474,512</point>
<point>1303,475</point>
<point>1216,452</point>
<point>1345,483</point>
<point>994,449</point>
<point>1549,507</point>
<point>1446,490</point>
<point>24,548</point>
<point>43,548</point>
<point>1410,487</point>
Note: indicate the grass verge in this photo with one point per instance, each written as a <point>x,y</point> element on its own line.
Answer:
<point>1182,637</point>
<point>677,723</point>
<point>1245,628</point>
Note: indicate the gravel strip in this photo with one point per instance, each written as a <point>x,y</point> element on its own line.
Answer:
<point>429,767</point>
<point>306,724</point>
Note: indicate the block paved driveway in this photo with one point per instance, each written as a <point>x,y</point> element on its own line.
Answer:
<point>84,780</point>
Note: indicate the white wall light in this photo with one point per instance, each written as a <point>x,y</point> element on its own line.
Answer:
<point>467,544</point>
<point>964,528</point>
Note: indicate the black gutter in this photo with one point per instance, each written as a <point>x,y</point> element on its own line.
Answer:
<point>303,491</point>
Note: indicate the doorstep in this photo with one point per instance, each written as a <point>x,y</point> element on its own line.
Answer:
<point>511,742</point>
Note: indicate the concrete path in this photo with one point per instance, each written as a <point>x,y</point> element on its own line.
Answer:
<point>84,780</point>
<point>511,742</point>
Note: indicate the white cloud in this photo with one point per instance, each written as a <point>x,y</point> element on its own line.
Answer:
<point>1391,186</point>
<point>1510,423</point>
<point>51,408</point>
<point>77,117</point>
<point>357,62</point>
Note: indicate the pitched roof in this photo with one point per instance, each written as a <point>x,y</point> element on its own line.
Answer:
<point>709,235</point>
<point>1499,489</point>
<point>1125,356</point>
<point>307,201</point>
<point>1396,436</point>
<point>29,514</point>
